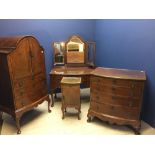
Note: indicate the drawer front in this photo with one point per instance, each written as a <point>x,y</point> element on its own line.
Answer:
<point>116,111</point>
<point>25,99</point>
<point>55,81</point>
<point>95,80</point>
<point>115,100</point>
<point>116,90</point>
<point>29,81</point>
<point>29,90</point>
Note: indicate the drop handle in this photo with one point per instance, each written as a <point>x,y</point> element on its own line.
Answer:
<point>114,81</point>
<point>131,103</point>
<point>132,85</point>
<point>132,94</point>
<point>112,107</point>
<point>21,93</point>
<point>97,97</point>
<point>113,97</point>
<point>113,89</point>
<point>20,84</point>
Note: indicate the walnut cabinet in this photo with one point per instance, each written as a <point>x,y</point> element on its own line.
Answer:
<point>22,76</point>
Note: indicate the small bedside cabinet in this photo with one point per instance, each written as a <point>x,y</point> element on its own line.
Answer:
<point>70,88</point>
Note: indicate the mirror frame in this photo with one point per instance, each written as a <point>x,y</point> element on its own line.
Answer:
<point>84,50</point>
<point>89,49</point>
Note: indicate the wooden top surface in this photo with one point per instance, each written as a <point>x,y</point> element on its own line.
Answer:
<point>8,44</point>
<point>71,71</point>
<point>71,80</point>
<point>119,73</point>
<point>100,71</point>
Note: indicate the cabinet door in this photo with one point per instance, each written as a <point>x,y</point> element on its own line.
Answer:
<point>19,61</point>
<point>37,57</point>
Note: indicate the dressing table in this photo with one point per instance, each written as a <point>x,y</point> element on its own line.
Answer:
<point>72,58</point>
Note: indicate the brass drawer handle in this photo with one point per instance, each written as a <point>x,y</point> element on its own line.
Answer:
<point>132,94</point>
<point>23,103</point>
<point>97,97</point>
<point>113,89</point>
<point>113,97</point>
<point>20,84</point>
<point>98,89</point>
<point>114,81</point>
<point>131,103</point>
<point>98,80</point>
<point>112,107</point>
<point>21,93</point>
<point>132,85</point>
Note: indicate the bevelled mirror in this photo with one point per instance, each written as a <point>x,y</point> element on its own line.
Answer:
<point>75,50</point>
<point>91,53</point>
<point>58,56</point>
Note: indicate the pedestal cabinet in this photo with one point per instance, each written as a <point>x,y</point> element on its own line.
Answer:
<point>22,76</point>
<point>70,88</point>
<point>116,96</point>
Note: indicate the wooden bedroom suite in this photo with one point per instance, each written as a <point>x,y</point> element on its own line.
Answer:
<point>116,94</point>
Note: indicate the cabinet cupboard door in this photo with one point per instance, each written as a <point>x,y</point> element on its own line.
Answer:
<point>19,61</point>
<point>37,57</point>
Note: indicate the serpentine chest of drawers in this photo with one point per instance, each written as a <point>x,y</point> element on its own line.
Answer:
<point>116,96</point>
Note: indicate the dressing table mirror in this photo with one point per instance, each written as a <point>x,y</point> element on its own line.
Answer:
<point>74,52</point>
<point>58,53</point>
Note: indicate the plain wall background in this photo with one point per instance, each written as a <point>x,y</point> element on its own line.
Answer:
<point>128,44</point>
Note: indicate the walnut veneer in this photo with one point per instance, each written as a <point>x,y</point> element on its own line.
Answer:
<point>116,96</point>
<point>22,76</point>
<point>70,88</point>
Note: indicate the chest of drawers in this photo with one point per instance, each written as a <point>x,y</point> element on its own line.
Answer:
<point>116,96</point>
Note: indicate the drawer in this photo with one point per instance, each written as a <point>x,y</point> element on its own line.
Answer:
<point>27,82</point>
<point>120,91</point>
<point>116,111</point>
<point>22,101</point>
<point>33,86</point>
<point>101,81</point>
<point>31,89</point>
<point>55,81</point>
<point>115,100</point>
<point>56,78</point>
<point>29,97</point>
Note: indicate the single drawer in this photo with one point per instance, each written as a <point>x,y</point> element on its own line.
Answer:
<point>116,100</point>
<point>116,111</point>
<point>118,91</point>
<point>95,80</point>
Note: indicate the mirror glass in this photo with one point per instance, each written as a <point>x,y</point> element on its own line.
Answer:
<point>91,54</point>
<point>59,53</point>
<point>75,48</point>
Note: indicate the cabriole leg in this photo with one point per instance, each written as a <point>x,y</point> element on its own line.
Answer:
<point>18,125</point>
